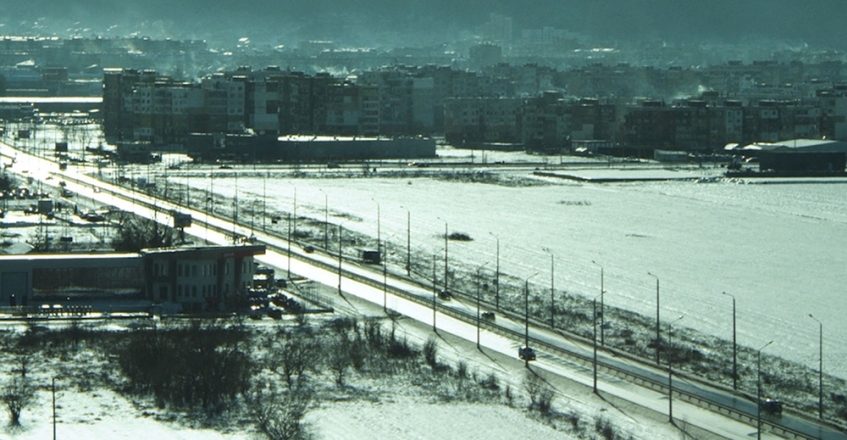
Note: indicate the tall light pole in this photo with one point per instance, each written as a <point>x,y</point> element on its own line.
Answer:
<point>594,303</point>
<point>295,208</point>
<point>289,246</point>
<point>408,241</point>
<point>670,368</point>
<point>658,342</point>
<point>53,388</point>
<point>434,292</point>
<point>478,270</point>
<point>759,391</point>
<point>340,253</point>
<point>602,307</point>
<point>446,237</point>
<point>326,220</point>
<point>497,275</point>
<point>378,230</point>
<point>385,287</point>
<point>820,367</point>
<point>734,346</point>
<point>264,200</point>
<point>526,316</point>
<point>552,289</point>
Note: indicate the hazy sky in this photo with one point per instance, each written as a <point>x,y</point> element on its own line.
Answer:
<point>812,21</point>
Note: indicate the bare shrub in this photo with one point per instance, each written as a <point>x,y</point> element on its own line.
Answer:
<point>462,370</point>
<point>430,352</point>
<point>279,416</point>
<point>18,394</point>
<point>510,398</point>
<point>605,428</point>
<point>338,360</point>
<point>202,365</point>
<point>545,401</point>
<point>290,355</point>
<point>490,382</point>
<point>532,384</point>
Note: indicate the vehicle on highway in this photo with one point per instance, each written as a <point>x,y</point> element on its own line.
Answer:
<point>308,249</point>
<point>526,353</point>
<point>445,295</point>
<point>772,407</point>
<point>488,315</point>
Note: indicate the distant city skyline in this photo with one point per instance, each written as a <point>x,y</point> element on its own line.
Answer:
<point>415,23</point>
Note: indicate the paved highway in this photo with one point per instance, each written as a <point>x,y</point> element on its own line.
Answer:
<point>731,415</point>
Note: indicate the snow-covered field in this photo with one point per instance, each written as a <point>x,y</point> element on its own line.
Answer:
<point>779,249</point>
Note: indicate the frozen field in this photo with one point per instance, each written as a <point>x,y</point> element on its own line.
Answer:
<point>780,249</point>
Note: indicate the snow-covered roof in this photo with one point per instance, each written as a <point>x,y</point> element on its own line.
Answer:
<point>17,249</point>
<point>797,145</point>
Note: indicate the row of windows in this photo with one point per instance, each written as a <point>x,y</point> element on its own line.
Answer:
<point>205,270</point>
<point>205,291</point>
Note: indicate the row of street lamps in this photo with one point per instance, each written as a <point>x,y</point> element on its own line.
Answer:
<point>596,314</point>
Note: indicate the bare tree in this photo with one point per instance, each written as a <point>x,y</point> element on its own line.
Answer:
<point>292,356</point>
<point>279,416</point>
<point>17,395</point>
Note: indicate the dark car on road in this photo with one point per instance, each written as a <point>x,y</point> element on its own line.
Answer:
<point>526,353</point>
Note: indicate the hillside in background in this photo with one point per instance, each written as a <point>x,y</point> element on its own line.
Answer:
<point>414,22</point>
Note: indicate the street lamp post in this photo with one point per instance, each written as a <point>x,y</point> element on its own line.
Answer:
<point>657,317</point>
<point>378,230</point>
<point>820,367</point>
<point>53,389</point>
<point>446,237</point>
<point>594,304</point>
<point>289,246</point>
<point>295,209</point>
<point>497,276</point>
<point>340,253</point>
<point>759,391</point>
<point>552,289</point>
<point>408,241</point>
<point>326,220</point>
<point>478,270</point>
<point>434,292</point>
<point>734,346</point>
<point>526,316</point>
<point>670,368</point>
<point>602,307</point>
<point>384,287</point>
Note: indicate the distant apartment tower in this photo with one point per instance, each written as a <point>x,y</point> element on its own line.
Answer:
<point>486,54</point>
<point>476,121</point>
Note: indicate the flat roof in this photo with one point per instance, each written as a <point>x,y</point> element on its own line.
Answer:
<point>71,256</point>
<point>51,99</point>
<point>311,138</point>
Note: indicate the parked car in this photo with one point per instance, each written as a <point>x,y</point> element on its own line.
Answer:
<point>526,353</point>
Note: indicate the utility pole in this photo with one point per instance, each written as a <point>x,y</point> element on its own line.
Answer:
<point>734,347</point>
<point>658,342</point>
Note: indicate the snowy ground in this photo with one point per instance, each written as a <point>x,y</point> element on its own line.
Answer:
<point>772,246</point>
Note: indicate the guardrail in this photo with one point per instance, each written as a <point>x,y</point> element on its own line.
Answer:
<point>493,327</point>
<point>632,377</point>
